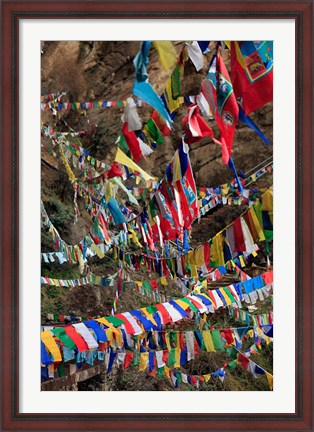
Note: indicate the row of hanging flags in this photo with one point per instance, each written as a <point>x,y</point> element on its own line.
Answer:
<point>153,318</point>
<point>146,288</point>
<point>102,281</point>
<point>176,349</point>
<point>73,345</point>
<point>218,194</point>
<point>249,290</point>
<point>231,297</point>
<point>92,193</point>
<point>208,199</point>
<point>248,318</point>
<point>214,196</point>
<point>240,315</point>
<point>150,289</point>
<point>238,239</point>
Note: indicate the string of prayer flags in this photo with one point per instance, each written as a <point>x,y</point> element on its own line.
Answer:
<point>56,104</point>
<point>151,349</point>
<point>52,96</point>
<point>174,311</point>
<point>254,368</point>
<point>75,253</point>
<point>247,318</point>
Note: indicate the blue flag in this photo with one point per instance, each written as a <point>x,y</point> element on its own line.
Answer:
<point>249,122</point>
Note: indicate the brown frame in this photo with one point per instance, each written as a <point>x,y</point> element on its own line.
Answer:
<point>12,12</point>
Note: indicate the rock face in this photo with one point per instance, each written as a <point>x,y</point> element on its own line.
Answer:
<point>104,71</point>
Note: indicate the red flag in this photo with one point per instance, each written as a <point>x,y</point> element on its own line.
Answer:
<point>163,311</point>
<point>76,338</point>
<point>114,171</point>
<point>252,73</point>
<point>132,142</point>
<point>128,359</point>
<point>160,123</point>
<point>219,93</point>
<point>239,243</point>
<point>194,126</point>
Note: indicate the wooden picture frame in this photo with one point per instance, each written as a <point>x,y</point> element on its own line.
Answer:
<point>12,13</point>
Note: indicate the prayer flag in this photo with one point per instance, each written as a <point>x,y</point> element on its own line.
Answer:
<point>252,73</point>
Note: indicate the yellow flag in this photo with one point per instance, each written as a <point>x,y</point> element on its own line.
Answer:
<point>217,250</point>
<point>250,333</point>
<point>181,304</point>
<point>109,335</point>
<point>167,337</point>
<point>124,160</point>
<point>167,54</point>
<point>109,192</point>
<point>149,316</point>
<point>134,238</point>
<point>225,296</point>
<point>241,260</point>
<point>193,269</point>
<point>97,251</point>
<point>270,380</point>
<point>172,104</point>
<point>204,284</point>
<point>199,256</point>
<point>239,55</point>
<point>143,361</point>
<point>208,341</point>
<point>257,225</point>
<point>267,204</point>
<point>190,257</point>
<point>51,345</point>
<point>167,372</point>
<point>207,377</point>
<point>225,189</point>
<point>113,330</point>
<point>163,281</point>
